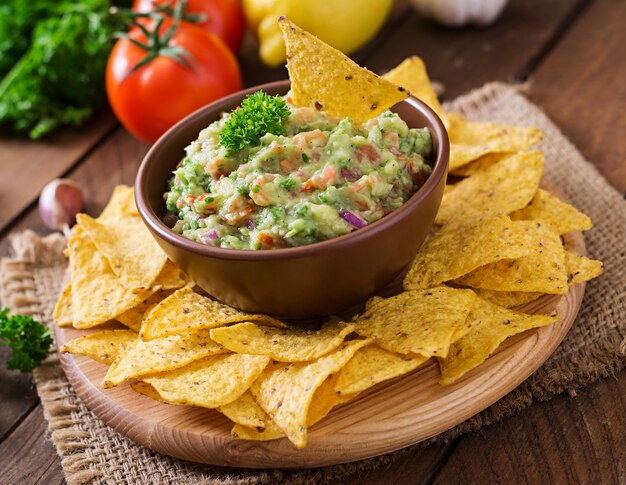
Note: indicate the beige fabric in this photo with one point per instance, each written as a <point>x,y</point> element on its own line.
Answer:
<point>595,347</point>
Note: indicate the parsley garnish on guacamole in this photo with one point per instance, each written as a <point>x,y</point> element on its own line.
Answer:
<point>270,175</point>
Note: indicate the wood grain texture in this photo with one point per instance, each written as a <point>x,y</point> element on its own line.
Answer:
<point>28,166</point>
<point>466,58</point>
<point>26,456</point>
<point>390,416</point>
<point>113,162</point>
<point>582,86</point>
<point>17,395</point>
<point>416,467</point>
<point>571,439</point>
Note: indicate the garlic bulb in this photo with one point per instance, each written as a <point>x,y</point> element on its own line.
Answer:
<point>59,202</point>
<point>456,13</point>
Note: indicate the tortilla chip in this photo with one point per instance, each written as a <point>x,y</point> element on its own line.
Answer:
<point>491,325</point>
<point>448,188</point>
<point>507,299</point>
<point>547,208</point>
<point>325,79</point>
<point>121,203</point>
<point>160,355</point>
<point>501,189</point>
<point>62,313</point>
<point>103,346</point>
<point>171,277</point>
<point>98,295</point>
<point>211,382</point>
<point>282,344</point>
<point>371,365</point>
<point>324,400</point>
<point>270,431</point>
<point>374,300</point>
<point>462,246</point>
<point>470,140</point>
<point>285,391</point>
<point>417,322</point>
<point>246,412</point>
<point>134,255</point>
<point>480,164</point>
<point>147,390</point>
<point>186,310</point>
<point>541,271</point>
<point>133,317</point>
<point>411,75</point>
<point>581,268</point>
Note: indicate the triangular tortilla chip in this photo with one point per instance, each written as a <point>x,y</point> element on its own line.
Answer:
<point>547,208</point>
<point>462,246</point>
<point>543,270</point>
<point>325,79</point>
<point>98,294</point>
<point>132,252</point>
<point>470,140</point>
<point>503,188</point>
<point>411,75</point>
<point>423,322</point>
<point>490,326</point>
<point>285,391</point>
<point>186,310</point>
<point>103,346</point>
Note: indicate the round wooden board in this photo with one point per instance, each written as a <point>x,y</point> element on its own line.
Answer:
<point>390,416</point>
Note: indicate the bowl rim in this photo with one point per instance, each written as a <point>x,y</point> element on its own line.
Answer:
<point>156,225</point>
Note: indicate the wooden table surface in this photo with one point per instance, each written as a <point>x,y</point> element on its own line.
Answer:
<point>571,53</point>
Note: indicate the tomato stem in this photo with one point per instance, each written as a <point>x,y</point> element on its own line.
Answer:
<point>167,9</point>
<point>157,45</point>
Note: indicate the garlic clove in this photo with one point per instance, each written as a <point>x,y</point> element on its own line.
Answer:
<point>59,202</point>
<point>457,13</point>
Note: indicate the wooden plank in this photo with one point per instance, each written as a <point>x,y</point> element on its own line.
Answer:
<point>113,162</point>
<point>17,395</point>
<point>29,165</point>
<point>582,87</point>
<point>419,466</point>
<point>566,440</point>
<point>26,456</point>
<point>466,58</point>
<point>53,475</point>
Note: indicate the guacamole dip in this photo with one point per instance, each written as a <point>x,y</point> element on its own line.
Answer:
<point>319,178</point>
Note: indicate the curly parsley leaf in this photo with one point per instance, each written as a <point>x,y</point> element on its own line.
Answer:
<point>258,115</point>
<point>28,339</point>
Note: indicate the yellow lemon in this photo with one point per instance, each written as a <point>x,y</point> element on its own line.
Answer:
<point>345,25</point>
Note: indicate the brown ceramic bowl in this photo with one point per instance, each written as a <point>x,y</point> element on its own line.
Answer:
<point>302,282</point>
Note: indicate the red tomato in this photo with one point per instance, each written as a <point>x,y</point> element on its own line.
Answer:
<point>222,17</point>
<point>151,99</point>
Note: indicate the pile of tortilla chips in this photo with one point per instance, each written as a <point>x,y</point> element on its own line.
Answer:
<point>117,269</point>
<point>497,245</point>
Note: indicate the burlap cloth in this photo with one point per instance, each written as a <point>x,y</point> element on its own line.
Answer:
<point>91,452</point>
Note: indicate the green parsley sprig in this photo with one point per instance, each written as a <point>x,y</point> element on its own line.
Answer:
<point>258,115</point>
<point>29,340</point>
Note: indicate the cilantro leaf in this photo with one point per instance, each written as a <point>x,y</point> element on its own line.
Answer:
<point>258,115</point>
<point>28,339</point>
<point>288,183</point>
<point>57,77</point>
